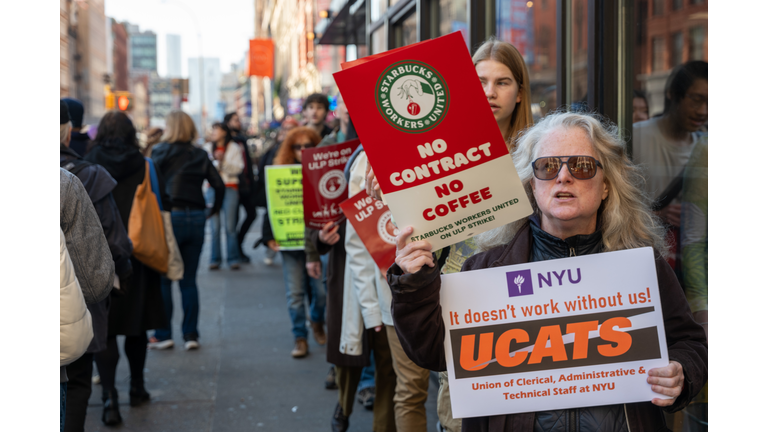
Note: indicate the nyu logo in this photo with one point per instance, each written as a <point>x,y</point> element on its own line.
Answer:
<point>519,283</point>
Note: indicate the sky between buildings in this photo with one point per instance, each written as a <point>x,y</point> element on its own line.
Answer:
<point>225,26</point>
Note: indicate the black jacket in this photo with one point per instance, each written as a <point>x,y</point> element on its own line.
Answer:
<point>261,192</point>
<point>79,143</point>
<point>245,184</point>
<point>184,167</point>
<point>419,325</point>
<point>141,308</point>
<point>99,185</point>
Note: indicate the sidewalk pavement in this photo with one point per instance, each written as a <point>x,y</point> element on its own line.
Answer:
<point>243,377</point>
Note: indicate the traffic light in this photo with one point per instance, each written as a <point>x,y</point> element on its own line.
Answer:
<point>123,100</point>
<point>109,98</point>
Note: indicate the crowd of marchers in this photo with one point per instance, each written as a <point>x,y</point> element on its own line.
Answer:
<point>384,332</point>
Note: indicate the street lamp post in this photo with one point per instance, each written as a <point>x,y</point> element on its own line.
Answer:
<point>199,63</point>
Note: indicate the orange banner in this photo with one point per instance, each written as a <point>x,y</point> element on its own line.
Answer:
<point>261,58</point>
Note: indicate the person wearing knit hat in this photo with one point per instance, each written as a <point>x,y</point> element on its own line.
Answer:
<point>79,141</point>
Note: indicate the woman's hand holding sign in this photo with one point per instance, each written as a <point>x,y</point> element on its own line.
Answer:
<point>411,257</point>
<point>668,381</point>
<point>330,234</point>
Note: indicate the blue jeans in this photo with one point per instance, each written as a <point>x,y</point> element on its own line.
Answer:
<point>62,404</point>
<point>228,212</point>
<point>189,229</point>
<point>367,376</point>
<point>298,285</point>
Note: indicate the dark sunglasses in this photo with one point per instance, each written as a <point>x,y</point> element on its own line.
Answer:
<point>581,167</point>
<point>299,147</point>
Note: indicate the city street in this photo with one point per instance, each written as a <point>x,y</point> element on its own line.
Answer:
<point>243,377</point>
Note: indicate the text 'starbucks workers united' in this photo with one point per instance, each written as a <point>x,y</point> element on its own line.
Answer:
<point>412,96</point>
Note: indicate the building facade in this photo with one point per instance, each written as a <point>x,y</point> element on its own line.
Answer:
<point>119,49</point>
<point>142,51</point>
<point>173,55</point>
<point>83,51</point>
<point>211,81</point>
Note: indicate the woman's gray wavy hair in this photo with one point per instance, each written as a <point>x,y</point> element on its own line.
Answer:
<point>624,217</point>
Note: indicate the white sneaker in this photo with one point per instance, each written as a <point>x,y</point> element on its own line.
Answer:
<point>161,345</point>
<point>191,344</point>
<point>96,379</point>
<point>268,261</point>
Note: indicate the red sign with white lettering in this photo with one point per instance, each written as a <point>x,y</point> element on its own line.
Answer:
<point>432,140</point>
<point>372,221</point>
<point>322,171</point>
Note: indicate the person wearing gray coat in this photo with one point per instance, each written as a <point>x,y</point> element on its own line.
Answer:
<point>86,243</point>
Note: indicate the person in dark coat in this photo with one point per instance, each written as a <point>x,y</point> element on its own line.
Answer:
<point>588,207</point>
<point>185,167</point>
<point>140,306</point>
<point>350,367</point>
<point>245,186</point>
<point>99,185</point>
<point>79,141</point>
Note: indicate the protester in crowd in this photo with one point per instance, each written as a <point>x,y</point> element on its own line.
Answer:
<point>367,301</point>
<point>228,158</point>
<point>607,212</point>
<point>184,168</point>
<point>99,185</point>
<point>317,264</point>
<point>139,307</point>
<point>151,138</point>
<point>79,141</point>
<point>695,243</point>
<point>504,76</point>
<point>75,328</point>
<point>298,284</point>
<point>245,187</point>
<point>87,247</point>
<point>639,106</point>
<point>662,146</point>
<point>314,111</point>
<point>267,159</point>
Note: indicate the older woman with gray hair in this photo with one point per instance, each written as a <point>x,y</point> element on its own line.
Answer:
<point>587,199</point>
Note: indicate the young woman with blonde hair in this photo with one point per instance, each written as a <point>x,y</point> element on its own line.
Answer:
<point>185,167</point>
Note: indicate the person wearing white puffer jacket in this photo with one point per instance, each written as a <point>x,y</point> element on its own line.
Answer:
<point>75,327</point>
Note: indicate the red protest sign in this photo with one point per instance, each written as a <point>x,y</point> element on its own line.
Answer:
<point>432,140</point>
<point>322,170</point>
<point>372,221</point>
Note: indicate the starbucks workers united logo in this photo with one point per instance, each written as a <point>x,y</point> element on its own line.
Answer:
<point>412,96</point>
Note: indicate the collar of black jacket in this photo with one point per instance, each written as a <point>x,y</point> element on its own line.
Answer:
<point>545,246</point>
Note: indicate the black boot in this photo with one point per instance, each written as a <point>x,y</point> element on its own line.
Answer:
<point>339,422</point>
<point>139,395</point>
<point>111,415</point>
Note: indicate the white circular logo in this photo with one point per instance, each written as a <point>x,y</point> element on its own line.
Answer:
<point>332,184</point>
<point>386,227</point>
<point>412,96</point>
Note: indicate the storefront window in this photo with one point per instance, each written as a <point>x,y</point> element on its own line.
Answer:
<point>378,9</point>
<point>674,163</point>
<point>379,40</point>
<point>405,31</point>
<point>532,28</point>
<point>453,17</point>
<point>579,55</point>
<point>677,49</point>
